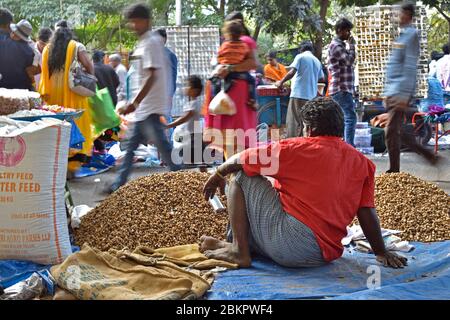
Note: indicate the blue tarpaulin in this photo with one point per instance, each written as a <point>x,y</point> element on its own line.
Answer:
<point>14,271</point>
<point>427,276</point>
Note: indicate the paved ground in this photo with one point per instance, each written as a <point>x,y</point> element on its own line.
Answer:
<point>88,191</point>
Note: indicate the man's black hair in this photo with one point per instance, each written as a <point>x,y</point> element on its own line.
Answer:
<point>343,24</point>
<point>324,117</point>
<point>62,24</point>
<point>162,32</point>
<point>446,48</point>
<point>195,82</point>
<point>98,56</point>
<point>6,17</point>
<point>410,8</point>
<point>306,46</point>
<point>45,34</point>
<point>271,54</point>
<point>138,11</point>
<point>436,55</point>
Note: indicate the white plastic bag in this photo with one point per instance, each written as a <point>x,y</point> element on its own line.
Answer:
<point>262,131</point>
<point>33,169</point>
<point>78,213</point>
<point>222,104</point>
<point>27,289</point>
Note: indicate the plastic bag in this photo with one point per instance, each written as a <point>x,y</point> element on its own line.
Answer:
<point>103,112</point>
<point>222,104</point>
<point>25,290</point>
<point>76,137</point>
<point>77,213</point>
<point>263,132</point>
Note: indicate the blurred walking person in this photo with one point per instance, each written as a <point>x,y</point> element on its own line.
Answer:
<point>400,87</point>
<point>150,103</point>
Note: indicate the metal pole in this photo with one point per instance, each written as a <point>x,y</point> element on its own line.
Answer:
<point>189,51</point>
<point>178,12</point>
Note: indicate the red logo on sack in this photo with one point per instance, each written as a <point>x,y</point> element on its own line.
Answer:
<point>12,151</point>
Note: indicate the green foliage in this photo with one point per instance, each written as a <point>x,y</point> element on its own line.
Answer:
<point>281,23</point>
<point>364,3</point>
<point>47,12</point>
<point>96,23</point>
<point>285,17</point>
<point>437,38</point>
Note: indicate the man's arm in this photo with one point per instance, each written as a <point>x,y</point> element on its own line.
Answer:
<point>181,120</point>
<point>286,78</point>
<point>335,55</point>
<point>370,225</point>
<point>142,93</point>
<point>351,54</point>
<point>217,180</point>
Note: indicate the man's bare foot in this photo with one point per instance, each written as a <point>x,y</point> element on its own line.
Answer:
<point>230,254</point>
<point>210,243</point>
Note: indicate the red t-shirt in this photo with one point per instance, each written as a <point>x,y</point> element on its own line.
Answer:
<point>322,181</point>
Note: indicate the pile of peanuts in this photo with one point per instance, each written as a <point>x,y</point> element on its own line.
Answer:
<point>164,210</point>
<point>418,208</point>
<point>161,210</point>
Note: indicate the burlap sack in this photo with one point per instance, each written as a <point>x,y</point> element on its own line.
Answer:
<point>140,275</point>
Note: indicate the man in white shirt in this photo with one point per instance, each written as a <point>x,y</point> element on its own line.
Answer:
<point>150,103</point>
<point>115,61</point>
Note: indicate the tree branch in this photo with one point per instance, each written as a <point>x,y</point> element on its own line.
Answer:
<point>214,5</point>
<point>98,30</point>
<point>441,12</point>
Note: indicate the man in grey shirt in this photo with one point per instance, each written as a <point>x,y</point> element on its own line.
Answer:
<point>150,103</point>
<point>400,87</point>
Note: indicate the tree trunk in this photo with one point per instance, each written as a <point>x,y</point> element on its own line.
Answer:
<point>222,8</point>
<point>166,18</point>
<point>318,41</point>
<point>257,31</point>
<point>448,21</point>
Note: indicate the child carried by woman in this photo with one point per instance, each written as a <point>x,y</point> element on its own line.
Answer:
<point>233,51</point>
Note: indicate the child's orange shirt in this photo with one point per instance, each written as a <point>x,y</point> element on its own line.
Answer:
<point>233,52</point>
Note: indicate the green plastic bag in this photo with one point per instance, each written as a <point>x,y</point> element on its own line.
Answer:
<point>103,112</point>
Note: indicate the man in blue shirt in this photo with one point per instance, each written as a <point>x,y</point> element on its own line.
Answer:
<point>306,71</point>
<point>6,18</point>
<point>172,68</point>
<point>400,87</point>
<point>16,55</point>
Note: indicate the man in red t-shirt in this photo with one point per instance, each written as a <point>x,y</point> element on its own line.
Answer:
<point>320,185</point>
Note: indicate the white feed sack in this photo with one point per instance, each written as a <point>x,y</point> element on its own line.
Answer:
<point>33,168</point>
